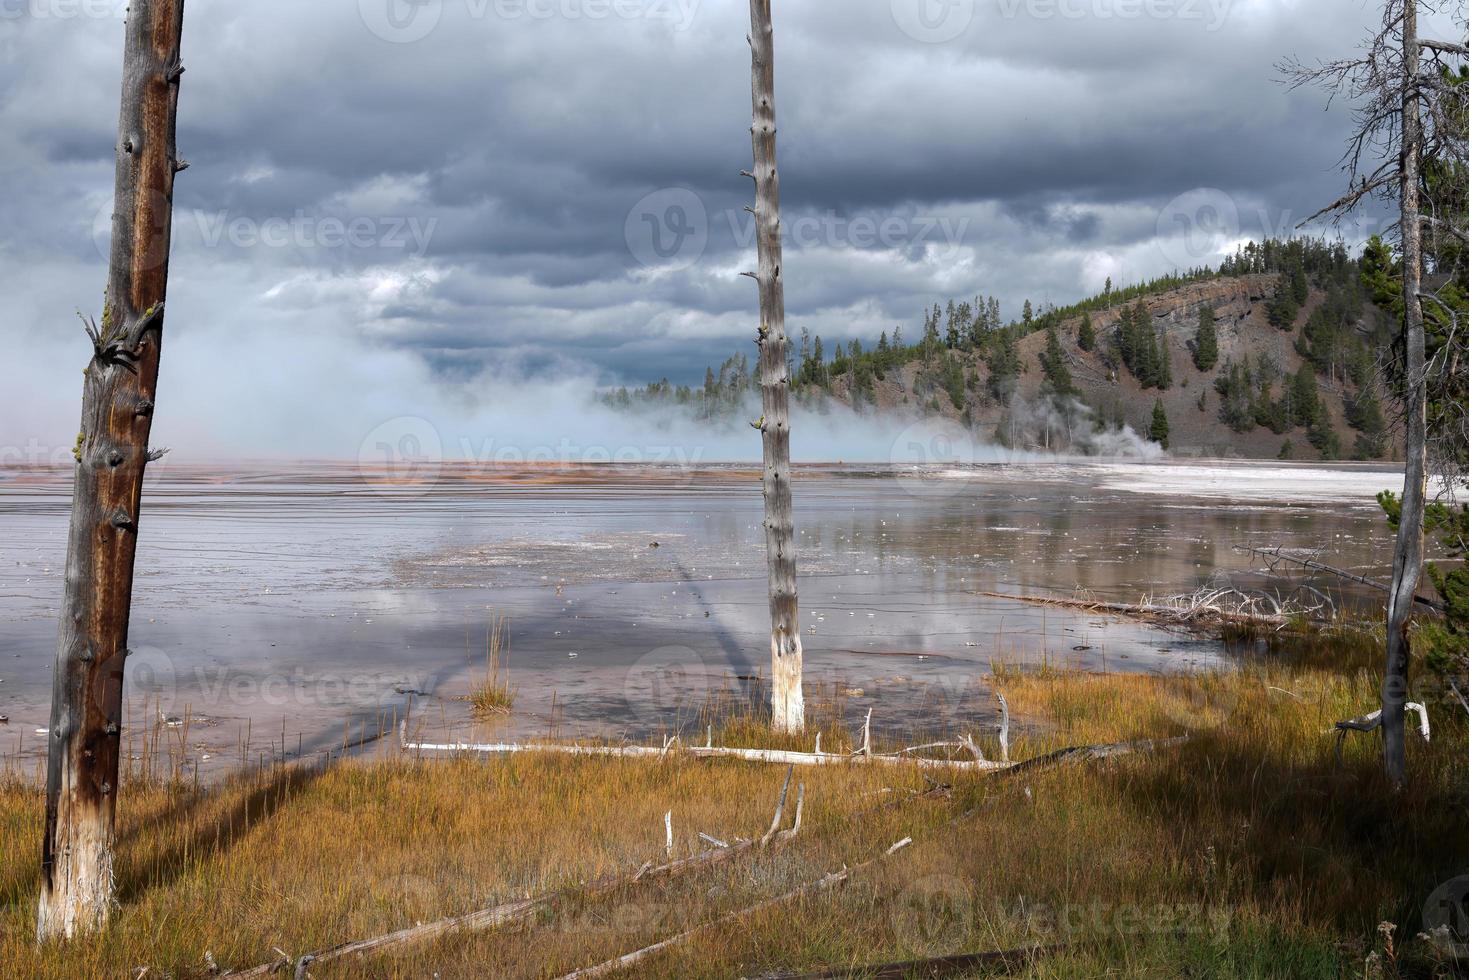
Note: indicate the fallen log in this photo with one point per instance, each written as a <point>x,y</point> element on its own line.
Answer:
<point>1077,753</point>
<point>777,756</point>
<point>499,915</point>
<point>1088,753</point>
<point>638,955</point>
<point>937,966</point>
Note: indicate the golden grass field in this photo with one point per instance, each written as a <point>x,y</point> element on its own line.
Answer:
<point>1245,852</point>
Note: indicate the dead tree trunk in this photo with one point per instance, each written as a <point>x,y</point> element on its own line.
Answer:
<point>787,702</point>
<point>111,454</point>
<point>1408,552</point>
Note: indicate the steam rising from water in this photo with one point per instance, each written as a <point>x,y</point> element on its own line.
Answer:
<point>1072,427</point>
<point>272,399</point>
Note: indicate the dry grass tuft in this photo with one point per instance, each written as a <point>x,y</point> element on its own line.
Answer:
<point>492,694</point>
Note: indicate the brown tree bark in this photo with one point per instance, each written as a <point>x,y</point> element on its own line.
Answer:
<point>1408,552</point>
<point>111,455</point>
<point>787,703</point>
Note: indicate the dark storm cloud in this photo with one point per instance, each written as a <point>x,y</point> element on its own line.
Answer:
<point>555,182</point>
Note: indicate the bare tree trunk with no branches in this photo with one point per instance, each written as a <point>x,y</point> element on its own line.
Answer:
<point>111,453</point>
<point>1408,553</point>
<point>787,702</point>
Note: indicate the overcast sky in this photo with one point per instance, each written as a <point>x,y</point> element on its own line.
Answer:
<point>428,207</point>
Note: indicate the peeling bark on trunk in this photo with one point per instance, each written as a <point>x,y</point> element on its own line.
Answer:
<point>1408,552</point>
<point>787,703</point>
<point>111,455</point>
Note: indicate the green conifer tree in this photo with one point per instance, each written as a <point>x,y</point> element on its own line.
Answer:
<point>1086,334</point>
<point>1158,431</point>
<point>1206,344</point>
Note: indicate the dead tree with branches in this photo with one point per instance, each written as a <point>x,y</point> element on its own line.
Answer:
<point>111,455</point>
<point>1407,118</point>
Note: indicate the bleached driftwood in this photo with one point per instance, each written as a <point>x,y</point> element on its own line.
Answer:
<point>1201,610</point>
<point>821,884</point>
<point>1373,720</point>
<point>499,915</point>
<point>1004,726</point>
<point>778,756</point>
<point>720,851</point>
<point>780,806</point>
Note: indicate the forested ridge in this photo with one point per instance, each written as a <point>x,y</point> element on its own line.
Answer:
<point>1280,351</point>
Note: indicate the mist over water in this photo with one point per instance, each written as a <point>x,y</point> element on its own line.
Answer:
<point>380,405</point>
<point>327,392</point>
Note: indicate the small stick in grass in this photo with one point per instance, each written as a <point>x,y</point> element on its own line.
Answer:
<point>1004,725</point>
<point>796,824</point>
<point>780,807</point>
<point>499,915</point>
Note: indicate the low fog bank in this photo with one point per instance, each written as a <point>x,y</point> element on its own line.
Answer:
<point>292,389</point>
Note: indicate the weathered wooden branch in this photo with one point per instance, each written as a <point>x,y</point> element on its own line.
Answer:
<point>1004,726</point>
<point>719,852</point>
<point>823,883</point>
<point>1279,554</point>
<point>1078,753</point>
<point>1373,720</point>
<point>1446,47</point>
<point>1437,224</point>
<point>787,701</point>
<point>118,393</point>
<point>1349,200</point>
<point>1198,613</point>
<point>1091,753</point>
<point>780,806</point>
<point>499,915</point>
<point>1453,686</point>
